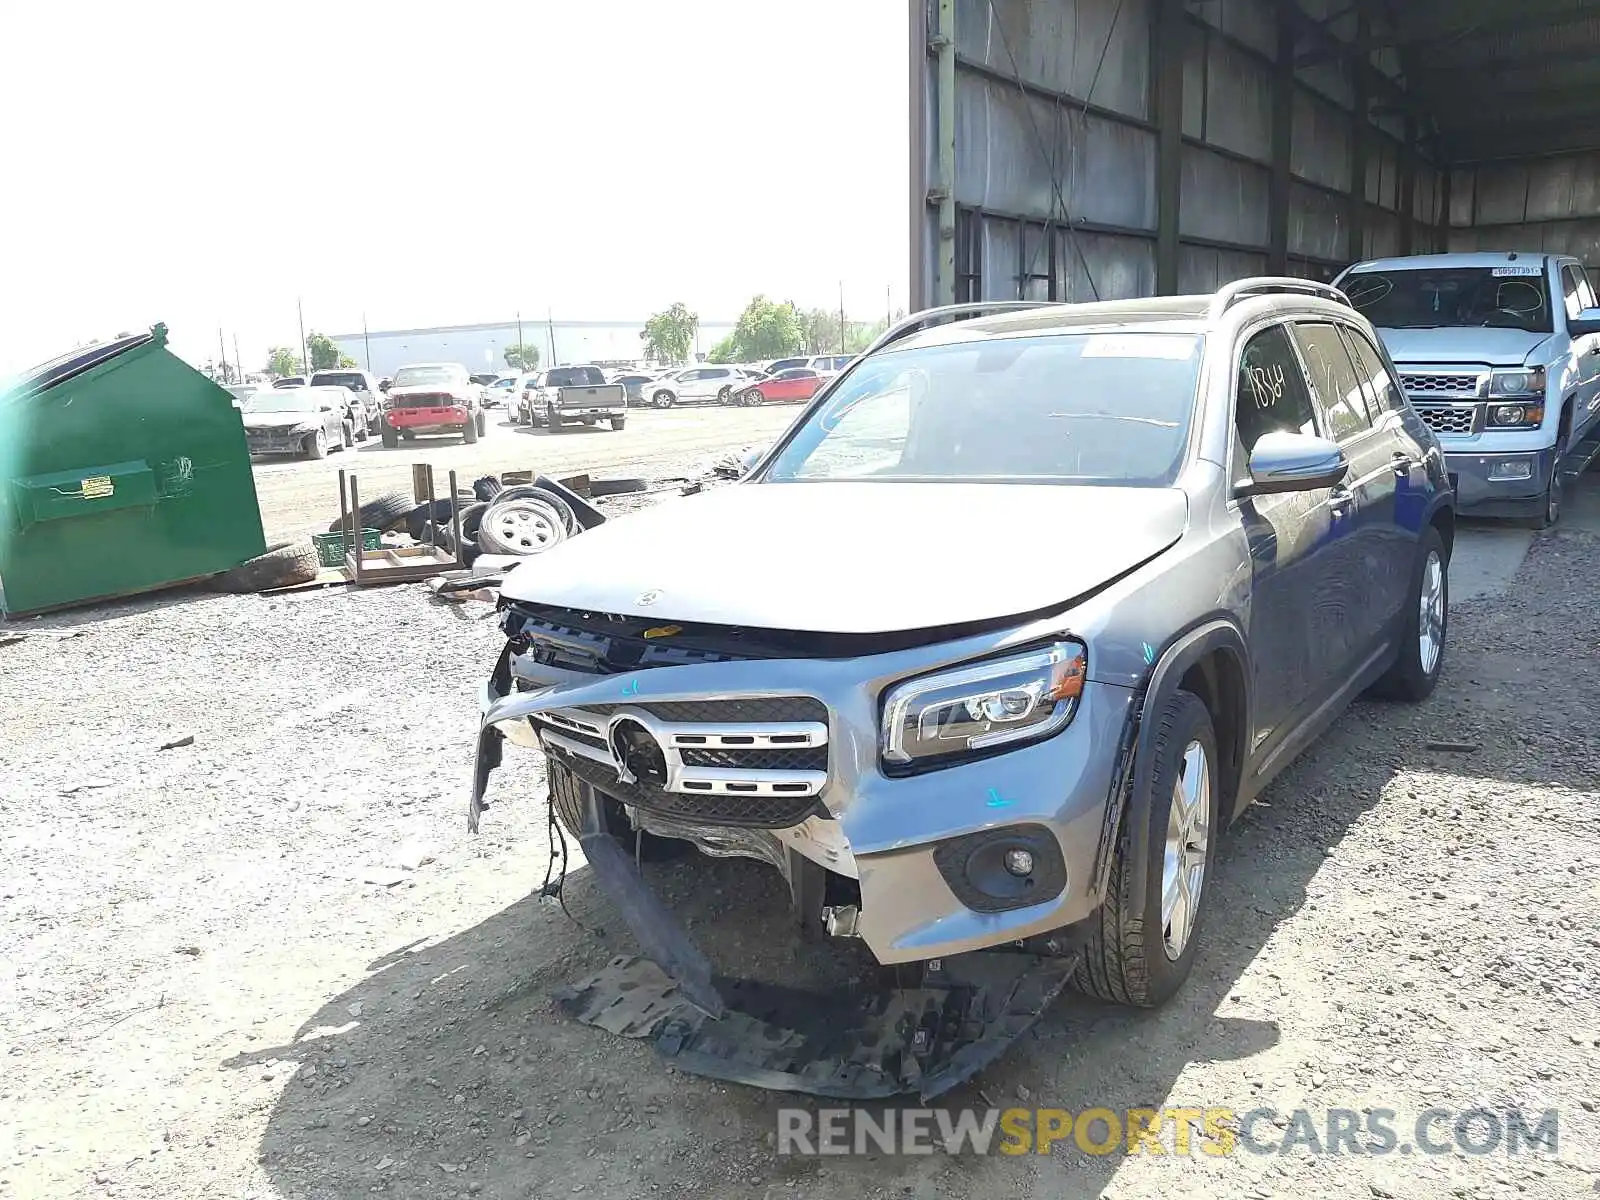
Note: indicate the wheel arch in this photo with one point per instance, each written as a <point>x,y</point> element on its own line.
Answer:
<point>1210,659</point>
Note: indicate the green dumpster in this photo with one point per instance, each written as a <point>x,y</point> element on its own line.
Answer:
<point>122,470</point>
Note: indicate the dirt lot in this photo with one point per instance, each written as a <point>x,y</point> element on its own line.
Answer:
<point>271,963</point>
<point>302,497</point>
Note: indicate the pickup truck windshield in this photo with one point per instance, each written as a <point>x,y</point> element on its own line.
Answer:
<point>349,379</point>
<point>1110,409</point>
<point>560,377</point>
<point>1503,297</point>
<point>428,376</point>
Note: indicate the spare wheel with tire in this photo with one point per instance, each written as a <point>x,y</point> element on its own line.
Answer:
<point>387,512</point>
<point>283,565</point>
<point>521,525</point>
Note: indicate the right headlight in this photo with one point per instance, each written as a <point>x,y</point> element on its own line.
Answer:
<point>972,711</point>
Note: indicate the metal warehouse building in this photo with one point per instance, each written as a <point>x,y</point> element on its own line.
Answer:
<point>1064,149</point>
<point>482,347</point>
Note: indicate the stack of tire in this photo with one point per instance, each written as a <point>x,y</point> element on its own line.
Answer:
<point>520,520</point>
<point>288,563</point>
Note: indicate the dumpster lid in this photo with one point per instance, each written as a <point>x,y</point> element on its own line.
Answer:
<point>75,362</point>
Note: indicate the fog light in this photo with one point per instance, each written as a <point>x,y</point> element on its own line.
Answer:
<point>1511,469</point>
<point>1019,863</point>
<point>1509,414</point>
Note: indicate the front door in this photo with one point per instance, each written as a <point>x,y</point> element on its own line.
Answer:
<point>1293,541</point>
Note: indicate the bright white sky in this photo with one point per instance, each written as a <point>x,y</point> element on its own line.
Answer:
<point>204,164</point>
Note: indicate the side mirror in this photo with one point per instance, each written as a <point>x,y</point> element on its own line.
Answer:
<point>748,462</point>
<point>1585,323</point>
<point>1294,462</point>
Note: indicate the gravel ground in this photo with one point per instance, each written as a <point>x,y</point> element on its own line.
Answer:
<point>272,962</point>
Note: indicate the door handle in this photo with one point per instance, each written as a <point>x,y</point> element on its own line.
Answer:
<point>1341,500</point>
<point>1402,462</point>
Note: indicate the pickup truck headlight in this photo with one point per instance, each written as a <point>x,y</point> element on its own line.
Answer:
<point>1528,381</point>
<point>971,711</point>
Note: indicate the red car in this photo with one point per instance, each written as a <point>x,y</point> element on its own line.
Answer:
<point>432,398</point>
<point>797,383</point>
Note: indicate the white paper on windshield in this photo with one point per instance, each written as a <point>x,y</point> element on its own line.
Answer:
<point>1516,272</point>
<point>1139,345</point>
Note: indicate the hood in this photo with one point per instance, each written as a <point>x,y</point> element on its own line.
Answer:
<point>1492,347</point>
<point>856,557</point>
<point>288,420</point>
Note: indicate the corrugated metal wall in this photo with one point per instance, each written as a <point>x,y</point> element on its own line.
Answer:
<point>1546,204</point>
<point>1058,121</point>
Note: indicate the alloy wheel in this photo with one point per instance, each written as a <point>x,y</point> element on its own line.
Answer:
<point>1183,862</point>
<point>1430,614</point>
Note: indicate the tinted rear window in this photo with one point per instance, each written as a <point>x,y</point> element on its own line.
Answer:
<point>574,377</point>
<point>349,379</point>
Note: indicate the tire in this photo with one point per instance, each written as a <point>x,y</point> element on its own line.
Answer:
<point>1413,677</point>
<point>532,491</point>
<point>386,512</point>
<point>407,435</point>
<point>487,488</point>
<point>463,531</point>
<point>650,847</point>
<point>724,395</point>
<point>417,518</point>
<point>390,438</point>
<point>347,435</point>
<point>283,565</point>
<point>317,445</point>
<point>617,487</point>
<point>482,423</point>
<point>469,433</point>
<point>663,399</point>
<point>755,398</point>
<point>522,526</point>
<point>618,424</point>
<point>1128,958</point>
<point>1556,492</point>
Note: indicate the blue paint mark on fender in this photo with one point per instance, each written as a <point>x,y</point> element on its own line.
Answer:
<point>995,801</point>
<point>631,688</point>
<point>1149,653</point>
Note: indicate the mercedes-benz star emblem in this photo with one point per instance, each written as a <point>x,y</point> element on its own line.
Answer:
<point>636,752</point>
<point>648,598</point>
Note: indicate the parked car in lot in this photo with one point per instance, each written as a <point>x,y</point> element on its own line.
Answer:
<point>485,378</point>
<point>1500,354</point>
<point>788,364</point>
<point>368,409</point>
<point>306,421</point>
<point>634,382</point>
<point>290,381</point>
<point>241,392</point>
<point>580,395</point>
<point>1192,529</point>
<point>695,385</point>
<point>498,394</point>
<point>797,383</point>
<point>830,364</point>
<point>433,398</point>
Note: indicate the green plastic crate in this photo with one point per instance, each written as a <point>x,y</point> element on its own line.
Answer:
<point>330,546</point>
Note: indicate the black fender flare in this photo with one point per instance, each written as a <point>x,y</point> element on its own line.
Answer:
<point>1132,779</point>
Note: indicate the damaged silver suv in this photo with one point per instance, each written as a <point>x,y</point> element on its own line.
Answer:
<point>990,647</point>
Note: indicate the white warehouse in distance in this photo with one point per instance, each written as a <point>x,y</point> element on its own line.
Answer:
<point>482,347</point>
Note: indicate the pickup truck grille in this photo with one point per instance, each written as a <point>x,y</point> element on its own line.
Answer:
<point>1441,385</point>
<point>756,762</point>
<point>1449,418</point>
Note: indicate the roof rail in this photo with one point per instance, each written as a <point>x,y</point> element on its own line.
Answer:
<point>919,321</point>
<point>1230,294</point>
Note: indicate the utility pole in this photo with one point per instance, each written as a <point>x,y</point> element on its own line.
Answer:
<point>238,362</point>
<point>223,350</point>
<point>841,317</point>
<point>366,342</point>
<point>305,363</point>
<point>888,305</point>
<point>550,323</point>
<point>522,366</point>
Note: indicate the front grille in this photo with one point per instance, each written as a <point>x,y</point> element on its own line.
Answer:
<point>1449,383</point>
<point>741,810</point>
<point>1449,418</point>
<point>805,758</point>
<point>754,708</point>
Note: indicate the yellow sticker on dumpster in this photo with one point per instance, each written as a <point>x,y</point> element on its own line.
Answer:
<point>97,487</point>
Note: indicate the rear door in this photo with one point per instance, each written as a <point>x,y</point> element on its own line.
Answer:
<point>1577,295</point>
<point>1373,561</point>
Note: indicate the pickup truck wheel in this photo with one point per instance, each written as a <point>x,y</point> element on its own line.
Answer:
<point>482,423</point>
<point>407,435</point>
<point>619,423</point>
<point>1416,667</point>
<point>1553,496</point>
<point>347,436</point>
<point>391,439</point>
<point>1141,948</point>
<point>663,399</point>
<point>317,445</point>
<point>469,433</point>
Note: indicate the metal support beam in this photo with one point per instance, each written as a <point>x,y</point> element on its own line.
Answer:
<point>1359,144</point>
<point>945,130</point>
<point>1408,189</point>
<point>1441,237</point>
<point>917,296</point>
<point>1282,145</point>
<point>1169,32</point>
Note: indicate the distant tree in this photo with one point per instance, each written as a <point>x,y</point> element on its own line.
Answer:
<point>725,351</point>
<point>282,361</point>
<point>520,356</point>
<point>766,329</point>
<point>325,353</point>
<point>819,329</point>
<point>668,336</point>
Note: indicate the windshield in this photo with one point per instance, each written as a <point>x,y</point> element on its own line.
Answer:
<point>349,379</point>
<point>282,400</point>
<point>1503,297</point>
<point>1076,408</point>
<point>428,376</point>
<point>574,377</point>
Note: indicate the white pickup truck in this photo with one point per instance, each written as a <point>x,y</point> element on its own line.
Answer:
<point>563,396</point>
